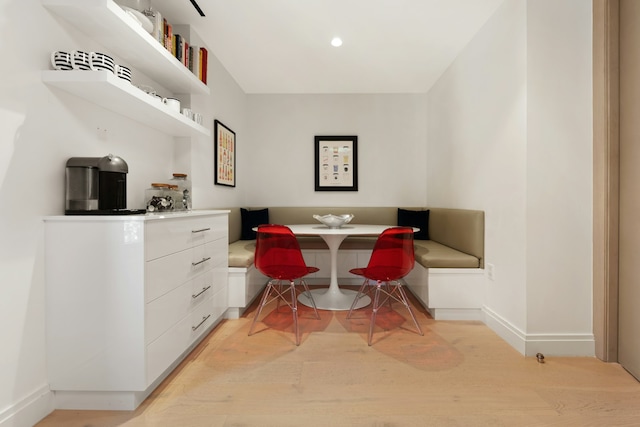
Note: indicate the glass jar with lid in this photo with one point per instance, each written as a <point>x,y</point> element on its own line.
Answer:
<point>184,186</point>
<point>176,197</point>
<point>160,198</point>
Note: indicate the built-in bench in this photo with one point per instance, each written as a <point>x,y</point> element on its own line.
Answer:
<point>447,277</point>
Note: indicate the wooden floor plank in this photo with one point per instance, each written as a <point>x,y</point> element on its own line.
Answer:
<point>457,374</point>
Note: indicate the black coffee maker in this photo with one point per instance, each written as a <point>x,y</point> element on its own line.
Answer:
<point>97,186</point>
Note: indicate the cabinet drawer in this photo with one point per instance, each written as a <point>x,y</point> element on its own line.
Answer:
<point>167,236</point>
<point>220,301</point>
<point>162,352</point>
<point>218,251</point>
<point>162,313</point>
<point>166,273</point>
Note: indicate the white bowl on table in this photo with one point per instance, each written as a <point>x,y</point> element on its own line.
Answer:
<point>334,221</point>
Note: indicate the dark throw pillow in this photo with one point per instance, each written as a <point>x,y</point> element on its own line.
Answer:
<point>420,219</point>
<point>251,219</point>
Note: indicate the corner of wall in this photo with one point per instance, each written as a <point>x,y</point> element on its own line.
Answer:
<point>29,410</point>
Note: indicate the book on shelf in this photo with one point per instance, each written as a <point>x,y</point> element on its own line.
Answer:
<point>177,46</point>
<point>185,54</point>
<point>168,36</point>
<point>193,57</point>
<point>195,60</point>
<point>204,55</point>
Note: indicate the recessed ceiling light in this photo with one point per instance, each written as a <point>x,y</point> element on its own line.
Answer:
<point>336,42</point>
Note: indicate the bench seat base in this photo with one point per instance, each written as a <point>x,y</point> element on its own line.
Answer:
<point>245,284</point>
<point>447,293</point>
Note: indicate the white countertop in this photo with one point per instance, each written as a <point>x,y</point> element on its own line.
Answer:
<point>145,217</point>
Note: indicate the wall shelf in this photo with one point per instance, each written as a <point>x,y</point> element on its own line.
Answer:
<point>105,89</point>
<point>106,23</point>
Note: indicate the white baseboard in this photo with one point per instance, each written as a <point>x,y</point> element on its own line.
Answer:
<point>456,313</point>
<point>29,410</point>
<point>547,344</point>
<point>505,330</point>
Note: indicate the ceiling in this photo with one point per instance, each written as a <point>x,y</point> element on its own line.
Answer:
<point>283,46</point>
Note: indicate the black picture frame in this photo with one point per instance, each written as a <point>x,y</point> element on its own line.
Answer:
<point>336,163</point>
<point>225,155</point>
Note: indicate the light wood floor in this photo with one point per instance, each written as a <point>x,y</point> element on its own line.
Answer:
<point>458,374</point>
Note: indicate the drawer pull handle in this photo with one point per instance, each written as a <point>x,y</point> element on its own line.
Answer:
<point>204,319</point>
<point>201,292</point>
<point>201,230</point>
<point>200,262</point>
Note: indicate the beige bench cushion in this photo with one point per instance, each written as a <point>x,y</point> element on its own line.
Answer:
<point>429,253</point>
<point>242,253</point>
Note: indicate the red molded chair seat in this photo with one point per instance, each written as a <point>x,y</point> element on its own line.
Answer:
<point>279,257</point>
<point>392,259</point>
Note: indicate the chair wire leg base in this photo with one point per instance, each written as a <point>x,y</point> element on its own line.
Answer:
<point>294,311</point>
<point>276,289</point>
<point>374,313</point>
<point>361,293</point>
<point>309,295</point>
<point>405,301</point>
<point>390,292</point>
<point>263,302</point>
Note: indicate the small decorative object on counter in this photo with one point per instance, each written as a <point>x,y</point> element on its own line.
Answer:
<point>160,198</point>
<point>184,186</point>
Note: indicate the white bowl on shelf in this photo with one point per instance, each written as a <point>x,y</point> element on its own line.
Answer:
<point>334,221</point>
<point>140,18</point>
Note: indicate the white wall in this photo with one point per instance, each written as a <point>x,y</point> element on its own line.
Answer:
<point>510,133</point>
<point>477,149</point>
<point>559,167</point>
<point>40,128</point>
<point>227,103</point>
<point>391,132</point>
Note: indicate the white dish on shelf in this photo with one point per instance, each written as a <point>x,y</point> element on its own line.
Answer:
<point>143,20</point>
<point>334,221</point>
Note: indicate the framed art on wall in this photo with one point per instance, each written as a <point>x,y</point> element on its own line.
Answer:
<point>336,163</point>
<point>225,155</point>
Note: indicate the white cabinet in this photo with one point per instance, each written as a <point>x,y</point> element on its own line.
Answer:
<point>105,22</point>
<point>127,297</point>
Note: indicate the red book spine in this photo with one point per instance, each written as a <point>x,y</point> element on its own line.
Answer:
<point>205,60</point>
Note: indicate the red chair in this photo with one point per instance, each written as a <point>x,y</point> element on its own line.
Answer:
<point>278,257</point>
<point>391,260</point>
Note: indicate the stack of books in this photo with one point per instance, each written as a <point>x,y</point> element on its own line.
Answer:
<point>195,58</point>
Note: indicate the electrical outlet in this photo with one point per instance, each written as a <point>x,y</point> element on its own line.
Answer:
<point>491,271</point>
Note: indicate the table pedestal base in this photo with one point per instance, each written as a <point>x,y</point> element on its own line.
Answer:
<point>328,299</point>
